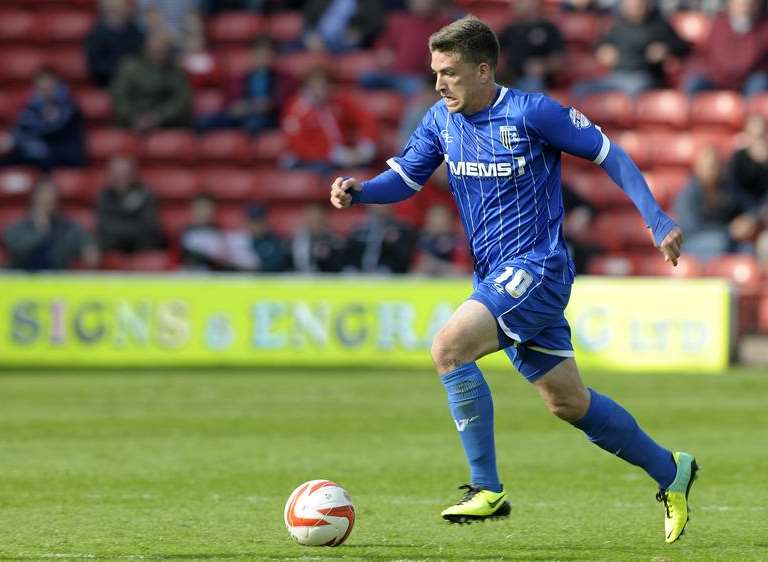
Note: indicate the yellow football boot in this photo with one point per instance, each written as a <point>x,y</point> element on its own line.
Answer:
<point>675,498</point>
<point>477,505</point>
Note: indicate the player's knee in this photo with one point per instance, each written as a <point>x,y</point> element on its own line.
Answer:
<point>568,407</point>
<point>447,352</point>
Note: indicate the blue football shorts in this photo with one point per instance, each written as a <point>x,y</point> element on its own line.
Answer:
<point>530,320</point>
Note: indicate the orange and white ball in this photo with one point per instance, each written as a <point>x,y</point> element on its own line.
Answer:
<point>319,513</point>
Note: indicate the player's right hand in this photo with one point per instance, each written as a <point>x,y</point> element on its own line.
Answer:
<point>672,245</point>
<point>341,197</point>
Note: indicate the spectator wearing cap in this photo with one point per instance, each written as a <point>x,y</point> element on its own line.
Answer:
<point>735,54</point>
<point>45,239</point>
<point>48,132</point>
<point>126,211</point>
<point>114,36</point>
<point>327,127</point>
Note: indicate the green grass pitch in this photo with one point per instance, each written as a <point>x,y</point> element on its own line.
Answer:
<point>197,466</point>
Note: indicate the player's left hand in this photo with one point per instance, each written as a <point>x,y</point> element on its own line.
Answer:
<point>672,245</point>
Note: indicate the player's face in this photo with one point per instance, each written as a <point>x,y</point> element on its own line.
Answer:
<point>459,83</point>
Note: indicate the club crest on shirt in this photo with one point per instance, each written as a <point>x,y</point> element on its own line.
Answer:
<point>446,136</point>
<point>508,136</point>
<point>578,119</point>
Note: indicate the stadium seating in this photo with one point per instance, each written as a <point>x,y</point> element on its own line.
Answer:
<point>385,105</point>
<point>620,230</point>
<point>268,146</point>
<point>654,265</point>
<point>170,146</point>
<point>16,182</point>
<point>70,63</point>
<point>581,30</point>
<point>762,314</point>
<point>743,270</point>
<point>96,106</point>
<point>272,185</point>
<point>286,26</point>
<point>11,102</point>
<point>662,109</point>
<point>148,260</point>
<point>175,183</point>
<point>721,111</point>
<point>236,27</point>
<point>105,143</point>
<point>65,26</point>
<point>207,101</point>
<point>228,184</point>
<point>19,64</point>
<point>639,146</point>
<point>17,26</point>
<point>225,147</point>
<point>610,109</point>
<point>76,185</point>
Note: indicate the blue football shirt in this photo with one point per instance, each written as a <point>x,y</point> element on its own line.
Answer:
<point>504,172</point>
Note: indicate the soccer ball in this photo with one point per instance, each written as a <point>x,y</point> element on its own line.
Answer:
<point>319,513</point>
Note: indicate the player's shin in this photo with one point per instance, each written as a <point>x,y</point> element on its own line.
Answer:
<point>471,406</point>
<point>611,427</point>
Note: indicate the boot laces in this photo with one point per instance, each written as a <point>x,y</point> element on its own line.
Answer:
<point>661,496</point>
<point>470,492</point>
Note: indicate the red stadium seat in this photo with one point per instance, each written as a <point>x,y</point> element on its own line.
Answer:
<point>96,105</point>
<point>613,265</point>
<point>638,145</point>
<point>694,27</point>
<point>673,149</point>
<point>345,222</point>
<point>78,185</point>
<point>18,26</point>
<point>237,62</point>
<point>174,219</point>
<point>66,26</point>
<point>103,144</point>
<point>16,182</point>
<point>269,146</point>
<point>759,104</point>
<point>655,266</point>
<point>20,64</point>
<point>11,102</point>
<point>171,145</point>
<point>286,26</point>
<point>609,109</point>
<point>662,109</point>
<point>722,110</point>
<point>743,270</point>
<point>299,63</point>
<point>620,230</point>
<point>228,147</point>
<point>229,184</point>
<point>231,217</point>
<point>352,66</point>
<point>581,65</point>
<point>596,187</point>
<point>581,30</point>
<point>279,185</point>
<point>237,27</point>
<point>496,14</point>
<point>171,183</point>
<point>148,260</point>
<point>762,314</point>
<point>208,101</point>
<point>666,184</point>
<point>70,63</point>
<point>386,106</point>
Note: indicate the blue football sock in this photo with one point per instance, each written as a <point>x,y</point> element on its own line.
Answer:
<point>611,427</point>
<point>472,409</point>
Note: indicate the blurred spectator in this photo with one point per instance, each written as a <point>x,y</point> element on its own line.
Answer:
<point>327,128</point>
<point>315,247</point>
<point>382,243</point>
<point>634,49</point>
<point>114,36</point>
<point>415,108</point>
<point>258,94</point>
<point>342,25</point>
<point>45,239</point>
<point>440,246</point>
<point>126,211</point>
<point>749,165</point>
<point>205,245</point>
<point>735,55</point>
<point>403,61</point>
<point>152,90</point>
<point>532,47</point>
<point>710,211</point>
<point>49,131</point>
<point>178,19</point>
<point>578,217</point>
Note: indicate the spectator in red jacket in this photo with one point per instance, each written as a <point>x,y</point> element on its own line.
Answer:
<point>327,127</point>
<point>735,55</point>
<point>403,61</point>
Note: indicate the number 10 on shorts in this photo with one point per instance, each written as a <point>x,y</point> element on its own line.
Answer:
<point>515,281</point>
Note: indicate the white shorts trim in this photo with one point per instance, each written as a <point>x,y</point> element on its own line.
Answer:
<point>558,352</point>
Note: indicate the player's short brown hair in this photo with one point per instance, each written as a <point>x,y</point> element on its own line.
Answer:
<point>470,38</point>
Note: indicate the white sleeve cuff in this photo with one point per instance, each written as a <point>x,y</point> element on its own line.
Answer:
<point>603,150</point>
<point>392,163</point>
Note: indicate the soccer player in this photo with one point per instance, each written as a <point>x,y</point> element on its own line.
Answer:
<point>502,148</point>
